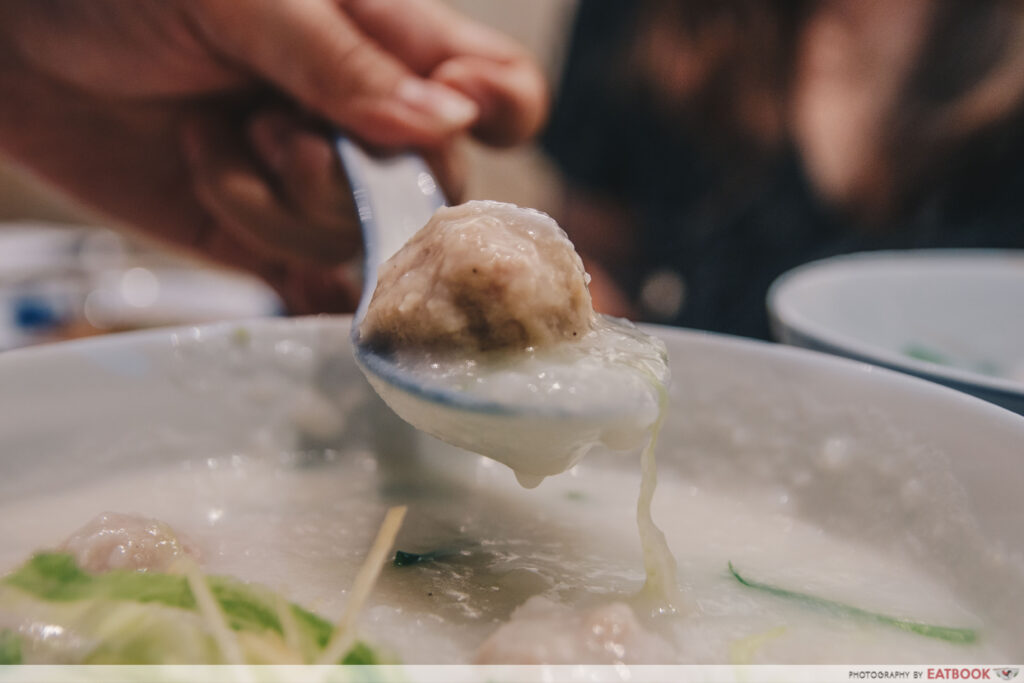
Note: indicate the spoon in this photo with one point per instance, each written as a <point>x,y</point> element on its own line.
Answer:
<point>395,196</point>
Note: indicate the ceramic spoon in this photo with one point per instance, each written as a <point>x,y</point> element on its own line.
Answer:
<point>395,196</point>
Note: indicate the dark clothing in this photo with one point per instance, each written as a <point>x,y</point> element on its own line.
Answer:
<point>730,231</point>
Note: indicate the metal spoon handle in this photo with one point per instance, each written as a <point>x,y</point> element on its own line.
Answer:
<point>395,196</point>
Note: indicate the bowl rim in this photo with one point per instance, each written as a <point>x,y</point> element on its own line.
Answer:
<point>816,359</point>
<point>787,317</point>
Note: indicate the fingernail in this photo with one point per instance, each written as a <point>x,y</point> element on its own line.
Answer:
<point>449,106</point>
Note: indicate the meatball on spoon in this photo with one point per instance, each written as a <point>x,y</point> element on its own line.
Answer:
<point>476,326</point>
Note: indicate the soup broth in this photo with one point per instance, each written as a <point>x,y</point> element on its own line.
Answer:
<point>301,526</point>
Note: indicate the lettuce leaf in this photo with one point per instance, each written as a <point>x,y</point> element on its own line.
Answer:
<point>10,647</point>
<point>148,617</point>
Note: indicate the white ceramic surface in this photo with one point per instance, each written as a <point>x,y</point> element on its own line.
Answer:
<point>872,455</point>
<point>60,280</point>
<point>951,316</point>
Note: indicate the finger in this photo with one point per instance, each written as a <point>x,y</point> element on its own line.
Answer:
<point>226,236</point>
<point>308,291</point>
<point>313,52</point>
<point>493,70</point>
<point>231,188</point>
<point>424,33</point>
<point>310,178</point>
<point>449,166</point>
<point>306,171</point>
<point>305,290</point>
<point>512,97</point>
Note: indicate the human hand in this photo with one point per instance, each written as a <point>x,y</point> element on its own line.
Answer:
<point>196,120</point>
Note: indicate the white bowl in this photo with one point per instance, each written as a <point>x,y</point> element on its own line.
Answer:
<point>866,454</point>
<point>951,316</point>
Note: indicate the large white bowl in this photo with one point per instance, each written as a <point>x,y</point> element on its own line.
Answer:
<point>866,453</point>
<point>951,316</point>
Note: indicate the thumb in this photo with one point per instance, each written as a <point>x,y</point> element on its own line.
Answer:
<point>314,53</point>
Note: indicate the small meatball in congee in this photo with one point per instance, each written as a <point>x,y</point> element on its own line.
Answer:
<point>117,541</point>
<point>483,275</point>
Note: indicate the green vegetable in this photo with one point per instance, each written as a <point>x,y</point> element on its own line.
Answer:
<point>952,635</point>
<point>928,355</point>
<point>987,367</point>
<point>361,654</point>
<point>404,559</point>
<point>148,617</point>
<point>10,647</point>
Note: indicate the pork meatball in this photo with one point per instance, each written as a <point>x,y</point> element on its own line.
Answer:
<point>544,632</point>
<point>117,541</point>
<point>481,276</point>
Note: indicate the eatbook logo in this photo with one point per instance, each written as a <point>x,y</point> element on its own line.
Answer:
<point>1007,674</point>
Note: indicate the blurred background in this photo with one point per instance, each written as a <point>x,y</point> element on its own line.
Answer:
<point>697,149</point>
